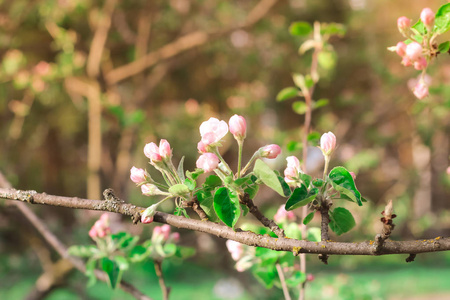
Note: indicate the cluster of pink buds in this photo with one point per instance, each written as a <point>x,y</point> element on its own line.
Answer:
<point>417,52</point>
<point>283,215</point>
<point>158,154</point>
<point>163,233</point>
<point>101,227</point>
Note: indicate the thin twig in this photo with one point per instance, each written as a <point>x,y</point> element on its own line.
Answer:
<point>283,282</point>
<point>244,237</point>
<point>195,205</point>
<point>388,226</point>
<point>158,269</point>
<point>254,210</point>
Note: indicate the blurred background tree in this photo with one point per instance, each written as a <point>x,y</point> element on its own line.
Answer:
<point>85,84</point>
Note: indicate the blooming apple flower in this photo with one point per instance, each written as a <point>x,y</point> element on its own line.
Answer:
<point>420,63</point>
<point>427,17</point>
<point>421,90</point>
<point>328,143</point>
<point>270,151</point>
<point>403,23</point>
<point>137,175</point>
<point>238,127</point>
<point>236,249</point>
<point>292,169</point>
<point>282,215</point>
<point>401,49</point>
<point>208,162</point>
<point>414,51</point>
<point>212,131</point>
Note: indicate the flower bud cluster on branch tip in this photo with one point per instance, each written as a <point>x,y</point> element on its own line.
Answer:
<point>137,175</point>
<point>101,227</point>
<point>208,162</point>
<point>283,215</point>
<point>238,127</point>
<point>270,151</point>
<point>212,131</point>
<point>292,170</point>
<point>327,143</point>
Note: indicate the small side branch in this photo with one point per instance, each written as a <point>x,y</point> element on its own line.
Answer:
<point>253,209</point>
<point>388,226</point>
<point>158,269</point>
<point>324,209</point>
<point>195,205</point>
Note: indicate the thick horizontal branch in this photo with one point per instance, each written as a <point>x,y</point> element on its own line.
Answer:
<point>244,237</point>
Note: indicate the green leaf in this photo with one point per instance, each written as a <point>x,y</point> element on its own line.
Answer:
<point>313,137</point>
<point>90,271</point>
<point>194,175</point>
<point>300,28</point>
<point>341,220</point>
<point>342,181</point>
<point>191,184</point>
<point>319,103</point>
<point>418,28</point>
<point>308,218</point>
<point>169,249</point>
<point>318,182</point>
<point>184,252</point>
<point>83,251</point>
<point>314,234</point>
<point>295,279</point>
<point>305,178</point>
<point>135,117</point>
<point>287,93</point>
<point>294,146</point>
<point>138,253</point>
<point>299,107</point>
<point>206,200</point>
<point>299,80</point>
<point>442,18</point>
<point>226,205</point>
<point>327,59</point>
<point>332,29</point>
<point>111,268</point>
<point>241,181</point>
<point>244,209</point>
<point>268,176</point>
<point>266,275</point>
<point>180,211</point>
<point>122,262</point>
<point>300,197</point>
<point>286,189</point>
<point>293,231</point>
<point>124,240</point>
<point>444,47</point>
<point>179,189</point>
<point>119,112</point>
<point>213,181</point>
<point>268,257</point>
<point>180,169</point>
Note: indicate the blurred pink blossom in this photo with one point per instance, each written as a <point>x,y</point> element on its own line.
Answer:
<point>212,131</point>
<point>208,162</point>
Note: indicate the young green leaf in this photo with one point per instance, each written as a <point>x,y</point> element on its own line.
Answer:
<point>300,197</point>
<point>444,47</point>
<point>179,189</point>
<point>191,184</point>
<point>295,279</point>
<point>341,220</point>
<point>293,146</point>
<point>180,211</point>
<point>268,176</point>
<point>266,275</point>
<point>318,182</point>
<point>300,28</point>
<point>244,209</point>
<point>442,18</point>
<point>121,262</point>
<point>213,181</point>
<point>83,251</point>
<point>138,253</point>
<point>343,182</point>
<point>226,205</point>
<point>124,240</point>
<point>299,107</point>
<point>286,189</point>
<point>308,218</point>
<point>184,252</point>
<point>206,200</point>
<point>90,271</point>
<point>287,93</point>
<point>111,268</point>
<point>252,190</point>
<point>180,170</point>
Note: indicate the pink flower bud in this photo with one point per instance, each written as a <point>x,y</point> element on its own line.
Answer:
<point>421,90</point>
<point>175,237</point>
<point>270,151</point>
<point>137,175</point>
<point>101,227</point>
<point>202,147</point>
<point>165,231</point>
<point>403,23</point>
<point>282,214</point>
<point>401,49</point>
<point>238,127</point>
<point>93,233</point>
<point>293,162</point>
<point>152,152</point>
<point>157,230</point>
<point>414,51</point>
<point>213,130</point>
<point>42,68</point>
<point>353,175</point>
<point>164,149</point>
<point>148,214</point>
<point>328,143</point>
<point>235,248</point>
<point>427,17</point>
<point>406,61</point>
<point>420,63</point>
<point>310,277</point>
<point>208,162</point>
